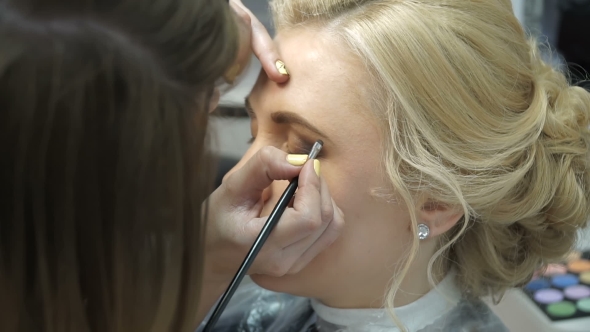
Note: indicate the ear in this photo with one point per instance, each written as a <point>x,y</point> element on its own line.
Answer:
<point>439,217</point>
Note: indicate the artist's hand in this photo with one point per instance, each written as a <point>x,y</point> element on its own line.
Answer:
<point>260,42</point>
<point>305,230</point>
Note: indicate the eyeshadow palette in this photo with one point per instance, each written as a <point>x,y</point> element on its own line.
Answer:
<point>562,291</point>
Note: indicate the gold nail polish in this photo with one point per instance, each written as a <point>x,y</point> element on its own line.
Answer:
<point>316,166</point>
<point>297,159</point>
<point>282,68</point>
<point>231,75</point>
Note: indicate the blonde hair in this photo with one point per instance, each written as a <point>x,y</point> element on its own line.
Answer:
<point>476,120</point>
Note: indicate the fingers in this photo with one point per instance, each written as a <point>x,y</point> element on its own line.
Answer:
<point>248,182</point>
<point>309,248</point>
<point>304,231</point>
<point>244,54</point>
<point>304,218</point>
<point>263,46</point>
<point>265,50</point>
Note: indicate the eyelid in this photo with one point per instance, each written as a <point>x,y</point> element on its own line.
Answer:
<point>303,146</point>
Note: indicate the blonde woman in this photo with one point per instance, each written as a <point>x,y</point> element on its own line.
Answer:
<point>459,159</point>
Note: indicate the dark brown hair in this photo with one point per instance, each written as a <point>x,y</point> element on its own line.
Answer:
<point>103,165</point>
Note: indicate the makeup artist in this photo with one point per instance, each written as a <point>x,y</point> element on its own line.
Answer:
<point>104,167</point>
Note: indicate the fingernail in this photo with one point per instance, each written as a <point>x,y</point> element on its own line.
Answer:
<point>282,68</point>
<point>316,166</point>
<point>297,159</point>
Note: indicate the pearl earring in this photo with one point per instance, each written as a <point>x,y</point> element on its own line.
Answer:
<point>423,231</point>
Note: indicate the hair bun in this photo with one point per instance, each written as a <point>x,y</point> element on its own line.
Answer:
<point>540,218</point>
<point>560,176</point>
<point>567,108</point>
<point>565,141</point>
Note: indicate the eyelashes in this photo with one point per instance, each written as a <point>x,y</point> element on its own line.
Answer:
<point>298,147</point>
<point>303,148</point>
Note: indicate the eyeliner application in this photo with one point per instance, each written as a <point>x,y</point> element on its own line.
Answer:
<point>271,222</point>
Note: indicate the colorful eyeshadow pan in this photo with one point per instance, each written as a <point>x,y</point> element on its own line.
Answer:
<point>579,266</point>
<point>585,277</point>
<point>562,291</point>
<point>547,296</point>
<point>577,292</point>
<point>561,309</point>
<point>538,284</point>
<point>564,281</point>
<point>584,305</point>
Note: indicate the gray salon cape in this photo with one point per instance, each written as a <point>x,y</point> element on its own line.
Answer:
<point>254,309</point>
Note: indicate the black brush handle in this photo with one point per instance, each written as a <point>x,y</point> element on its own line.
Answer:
<point>272,221</point>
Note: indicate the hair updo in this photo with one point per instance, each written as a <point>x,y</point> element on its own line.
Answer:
<point>474,119</point>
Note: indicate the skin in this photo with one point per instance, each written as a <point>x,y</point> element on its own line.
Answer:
<point>326,90</point>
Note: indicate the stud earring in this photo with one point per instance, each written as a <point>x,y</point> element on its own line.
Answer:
<point>423,231</point>
<point>282,68</point>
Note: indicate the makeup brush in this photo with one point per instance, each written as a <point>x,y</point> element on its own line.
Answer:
<point>271,222</point>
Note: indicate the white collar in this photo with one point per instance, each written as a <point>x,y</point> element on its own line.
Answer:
<point>415,316</point>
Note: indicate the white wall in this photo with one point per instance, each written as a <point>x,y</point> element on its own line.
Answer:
<point>518,6</point>
<point>530,13</point>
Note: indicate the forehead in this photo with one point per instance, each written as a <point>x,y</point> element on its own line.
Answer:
<point>325,76</point>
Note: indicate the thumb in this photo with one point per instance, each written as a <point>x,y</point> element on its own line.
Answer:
<point>267,165</point>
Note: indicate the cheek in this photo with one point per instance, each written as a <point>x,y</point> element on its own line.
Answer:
<point>373,226</point>
<point>351,184</point>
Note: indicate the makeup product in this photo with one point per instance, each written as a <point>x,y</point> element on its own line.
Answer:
<point>562,291</point>
<point>271,222</point>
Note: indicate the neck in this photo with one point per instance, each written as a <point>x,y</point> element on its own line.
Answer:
<point>373,290</point>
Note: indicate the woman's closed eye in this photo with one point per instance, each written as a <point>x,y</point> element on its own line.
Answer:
<point>299,146</point>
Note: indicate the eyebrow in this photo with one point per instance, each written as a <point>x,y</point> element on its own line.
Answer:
<point>290,118</point>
